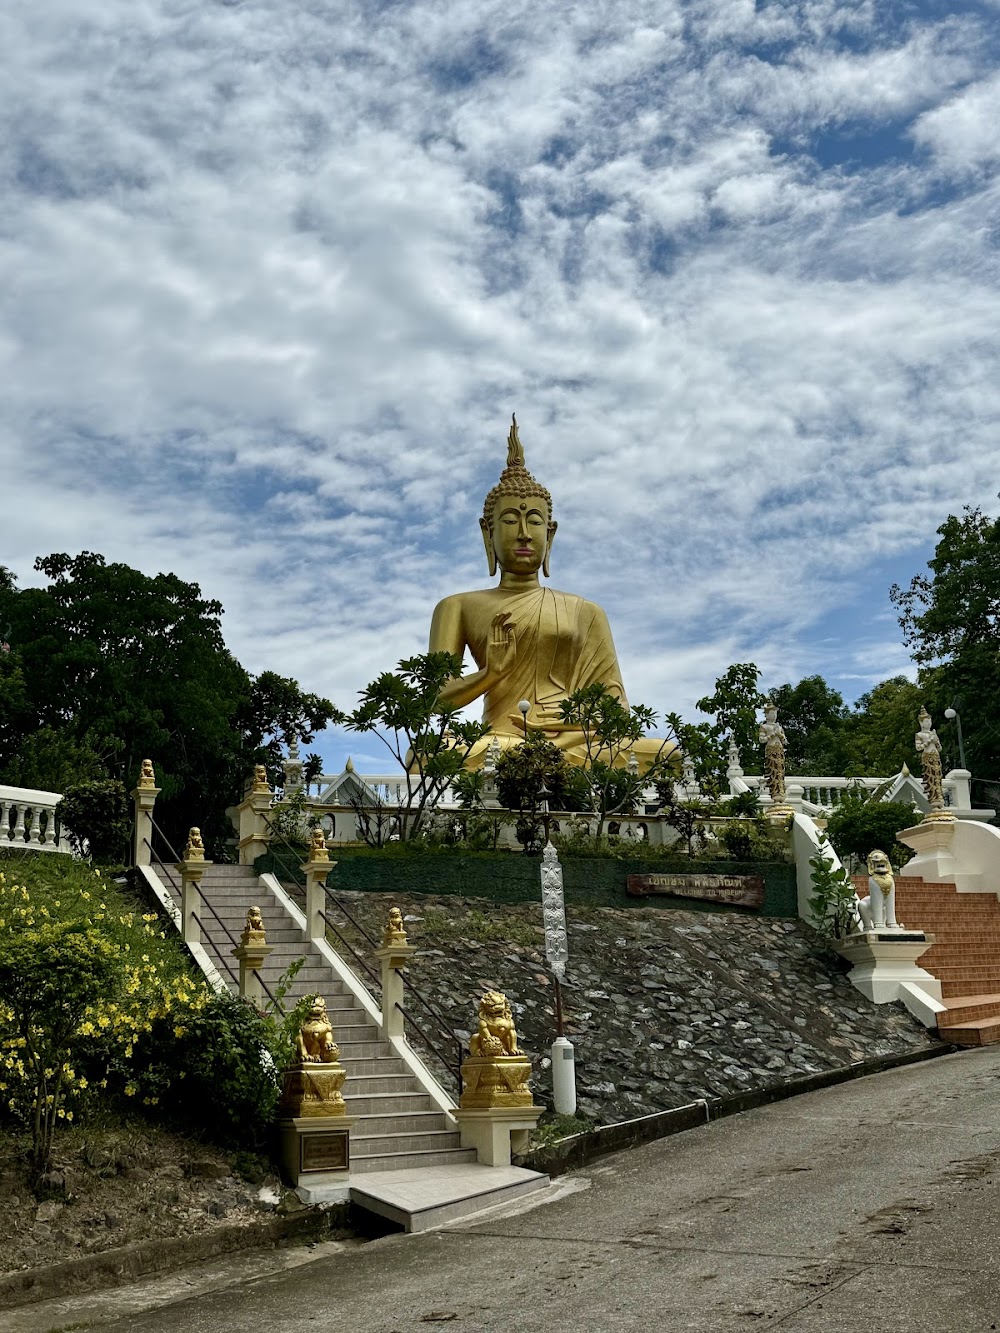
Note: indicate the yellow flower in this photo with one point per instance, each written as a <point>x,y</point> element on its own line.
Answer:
<point>179,1031</point>
<point>130,1089</point>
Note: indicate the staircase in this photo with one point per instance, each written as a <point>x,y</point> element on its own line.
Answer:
<point>398,1126</point>
<point>965,956</point>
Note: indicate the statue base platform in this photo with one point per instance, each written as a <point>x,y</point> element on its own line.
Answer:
<point>496,1081</point>
<point>497,1132</point>
<point>316,1150</point>
<point>884,968</point>
<point>313,1090</point>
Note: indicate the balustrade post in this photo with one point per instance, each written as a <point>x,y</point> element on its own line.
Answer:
<point>254,836</point>
<point>144,795</point>
<point>252,951</point>
<point>191,870</point>
<point>5,807</point>
<point>17,833</point>
<point>394,954</point>
<point>316,870</point>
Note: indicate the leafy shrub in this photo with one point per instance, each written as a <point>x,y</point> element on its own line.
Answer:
<point>95,815</point>
<point>832,900</point>
<point>84,977</point>
<point>862,822</point>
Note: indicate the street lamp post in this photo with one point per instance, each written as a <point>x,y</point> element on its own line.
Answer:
<point>954,713</point>
<point>523,708</point>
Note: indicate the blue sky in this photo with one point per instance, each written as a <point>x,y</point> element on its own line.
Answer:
<point>274,277</point>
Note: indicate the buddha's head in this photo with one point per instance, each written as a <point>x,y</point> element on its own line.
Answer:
<point>517,519</point>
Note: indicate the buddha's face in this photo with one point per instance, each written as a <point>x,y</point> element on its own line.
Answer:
<point>521,534</point>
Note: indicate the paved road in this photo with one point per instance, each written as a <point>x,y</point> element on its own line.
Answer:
<point>871,1206</point>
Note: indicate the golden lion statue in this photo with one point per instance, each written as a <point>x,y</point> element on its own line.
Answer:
<point>314,1044</point>
<point>496,1034</point>
<point>395,931</point>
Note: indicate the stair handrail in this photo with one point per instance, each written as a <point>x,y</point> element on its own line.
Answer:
<point>338,904</point>
<point>154,856</point>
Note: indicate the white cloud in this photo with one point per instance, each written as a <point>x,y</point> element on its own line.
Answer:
<point>272,279</point>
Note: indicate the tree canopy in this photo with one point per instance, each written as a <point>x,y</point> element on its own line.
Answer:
<point>107,666</point>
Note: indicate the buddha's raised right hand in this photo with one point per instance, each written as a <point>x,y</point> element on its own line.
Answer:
<point>502,647</point>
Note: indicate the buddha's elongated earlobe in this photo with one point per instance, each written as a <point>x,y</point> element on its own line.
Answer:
<point>491,555</point>
<point>549,539</point>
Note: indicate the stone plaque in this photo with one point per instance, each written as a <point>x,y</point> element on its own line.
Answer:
<point>324,1152</point>
<point>733,890</point>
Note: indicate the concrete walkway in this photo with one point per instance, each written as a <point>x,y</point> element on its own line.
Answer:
<point>866,1208</point>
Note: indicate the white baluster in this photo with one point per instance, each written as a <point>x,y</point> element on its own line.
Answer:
<point>4,822</point>
<point>17,834</point>
<point>50,828</point>
<point>36,821</point>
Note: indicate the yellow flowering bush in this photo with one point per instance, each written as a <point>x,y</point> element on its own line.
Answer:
<point>85,978</point>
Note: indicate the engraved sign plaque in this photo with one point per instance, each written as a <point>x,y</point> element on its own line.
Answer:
<point>731,890</point>
<point>324,1152</point>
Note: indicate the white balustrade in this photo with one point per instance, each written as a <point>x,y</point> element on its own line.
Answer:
<point>28,820</point>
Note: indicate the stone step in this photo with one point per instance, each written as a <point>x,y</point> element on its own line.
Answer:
<point>984,1032</point>
<point>352,1032</point>
<point>963,986</point>
<point>416,1122</point>
<point>405,1160</point>
<point>379,1064</point>
<point>363,1085</point>
<point>388,1103</point>
<point>970,1008</point>
<point>396,1142</point>
<point>363,1050</point>
<point>438,1194</point>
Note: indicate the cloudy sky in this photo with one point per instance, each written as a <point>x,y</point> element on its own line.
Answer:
<point>274,274</point>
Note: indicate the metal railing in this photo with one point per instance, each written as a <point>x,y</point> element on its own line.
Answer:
<point>178,893</point>
<point>450,1063</point>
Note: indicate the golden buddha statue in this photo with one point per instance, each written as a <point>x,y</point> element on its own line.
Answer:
<point>529,642</point>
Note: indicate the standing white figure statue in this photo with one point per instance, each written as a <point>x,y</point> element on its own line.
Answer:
<point>878,910</point>
<point>773,739</point>
<point>928,746</point>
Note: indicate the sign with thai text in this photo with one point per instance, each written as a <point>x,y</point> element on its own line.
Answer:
<point>324,1152</point>
<point>733,890</point>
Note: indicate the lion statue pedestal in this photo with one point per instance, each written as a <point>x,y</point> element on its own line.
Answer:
<point>496,1112</point>
<point>312,1115</point>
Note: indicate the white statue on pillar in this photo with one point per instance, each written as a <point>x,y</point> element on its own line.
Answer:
<point>878,910</point>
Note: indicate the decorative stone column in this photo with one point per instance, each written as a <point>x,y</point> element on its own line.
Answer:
<point>144,795</point>
<point>394,954</point>
<point>252,952</point>
<point>254,835</point>
<point>316,870</point>
<point>496,1112</point>
<point>313,1123</point>
<point>191,870</point>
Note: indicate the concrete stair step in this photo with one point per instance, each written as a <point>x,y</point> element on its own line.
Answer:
<point>416,1122</point>
<point>379,1064</point>
<point>981,1032</point>
<point>970,1008</point>
<point>420,1199</point>
<point>404,1160</point>
<point>388,1103</point>
<point>962,986</point>
<point>363,1050</point>
<point>396,1142</point>
<point>352,1032</point>
<point>363,1085</point>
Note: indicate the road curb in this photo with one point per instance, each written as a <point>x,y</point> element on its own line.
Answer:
<point>148,1258</point>
<point>555,1159</point>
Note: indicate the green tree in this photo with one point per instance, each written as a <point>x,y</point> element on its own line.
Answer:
<point>863,820</point>
<point>833,895</point>
<point>734,705</point>
<point>425,735</point>
<point>610,731</point>
<point>951,623</point>
<point>813,717</point>
<point>122,666</point>
<point>879,732</point>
